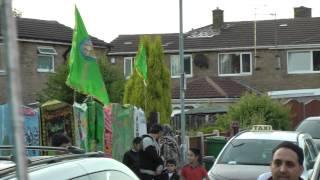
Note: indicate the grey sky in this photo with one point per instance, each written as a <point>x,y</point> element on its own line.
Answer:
<point>106,19</point>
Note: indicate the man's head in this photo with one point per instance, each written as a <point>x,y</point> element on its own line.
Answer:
<point>136,143</point>
<point>287,162</point>
<point>60,140</point>
<point>156,130</point>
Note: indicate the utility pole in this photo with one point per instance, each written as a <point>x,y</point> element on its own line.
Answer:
<point>182,87</point>
<point>9,33</point>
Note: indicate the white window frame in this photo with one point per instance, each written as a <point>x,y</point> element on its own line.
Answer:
<point>46,54</point>
<point>2,71</point>
<point>236,74</point>
<point>124,66</point>
<point>191,66</point>
<point>46,70</point>
<point>311,71</point>
<point>46,47</point>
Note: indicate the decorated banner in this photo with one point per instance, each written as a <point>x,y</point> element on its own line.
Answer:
<point>95,119</point>
<point>56,117</point>
<point>122,130</point>
<point>81,125</point>
<point>108,130</point>
<point>140,122</point>
<point>6,135</point>
<point>31,129</point>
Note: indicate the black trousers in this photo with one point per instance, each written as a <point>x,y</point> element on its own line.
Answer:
<point>146,177</point>
<point>150,177</point>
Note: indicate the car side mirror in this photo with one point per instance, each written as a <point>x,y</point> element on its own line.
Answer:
<point>310,165</point>
<point>208,159</point>
<point>310,172</point>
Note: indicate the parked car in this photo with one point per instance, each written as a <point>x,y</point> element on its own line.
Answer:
<point>249,153</point>
<point>84,166</point>
<point>311,125</point>
<point>316,170</point>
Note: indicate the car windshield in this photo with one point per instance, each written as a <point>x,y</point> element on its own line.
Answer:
<point>248,152</point>
<point>311,127</point>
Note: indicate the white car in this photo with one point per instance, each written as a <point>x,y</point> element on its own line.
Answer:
<point>71,166</point>
<point>249,153</point>
<point>316,169</point>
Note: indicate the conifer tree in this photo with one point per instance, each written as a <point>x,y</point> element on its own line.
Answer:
<point>156,97</point>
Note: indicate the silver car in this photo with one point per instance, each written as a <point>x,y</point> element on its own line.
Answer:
<point>249,153</point>
<point>311,125</point>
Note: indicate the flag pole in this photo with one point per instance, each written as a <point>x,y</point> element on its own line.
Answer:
<point>74,96</point>
<point>145,97</point>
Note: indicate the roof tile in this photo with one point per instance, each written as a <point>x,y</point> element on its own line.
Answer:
<point>203,88</point>
<point>48,31</point>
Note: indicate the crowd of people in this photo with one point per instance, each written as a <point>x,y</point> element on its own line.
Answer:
<point>146,161</point>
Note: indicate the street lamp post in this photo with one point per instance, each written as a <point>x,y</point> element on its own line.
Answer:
<point>182,86</point>
<point>11,53</point>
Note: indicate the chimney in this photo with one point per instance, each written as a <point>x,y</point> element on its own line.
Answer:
<point>217,16</point>
<point>302,12</point>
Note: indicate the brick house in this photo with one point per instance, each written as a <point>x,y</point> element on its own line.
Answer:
<point>43,46</point>
<point>264,56</point>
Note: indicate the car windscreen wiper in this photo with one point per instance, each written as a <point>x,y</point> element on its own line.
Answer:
<point>237,145</point>
<point>70,149</point>
<point>253,164</point>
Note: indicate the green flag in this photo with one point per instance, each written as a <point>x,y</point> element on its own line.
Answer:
<point>141,64</point>
<point>84,73</point>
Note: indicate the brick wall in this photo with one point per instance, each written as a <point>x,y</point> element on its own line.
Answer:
<point>267,76</point>
<point>33,81</point>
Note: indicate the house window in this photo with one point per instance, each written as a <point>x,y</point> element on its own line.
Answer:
<point>235,64</point>
<point>175,65</point>
<point>2,60</point>
<point>128,66</point>
<point>303,62</point>
<point>46,59</point>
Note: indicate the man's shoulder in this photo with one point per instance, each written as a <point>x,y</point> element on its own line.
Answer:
<point>147,141</point>
<point>127,153</point>
<point>265,176</point>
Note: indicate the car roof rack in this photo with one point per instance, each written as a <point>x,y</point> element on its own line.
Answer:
<point>52,159</point>
<point>70,149</point>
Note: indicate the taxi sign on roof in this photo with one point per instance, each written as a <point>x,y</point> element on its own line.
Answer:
<point>261,128</point>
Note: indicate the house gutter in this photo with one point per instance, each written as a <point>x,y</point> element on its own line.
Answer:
<point>230,49</point>
<point>206,100</point>
<point>51,42</point>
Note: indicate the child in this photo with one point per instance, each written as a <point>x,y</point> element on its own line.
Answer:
<point>172,169</point>
<point>131,157</point>
<point>194,170</point>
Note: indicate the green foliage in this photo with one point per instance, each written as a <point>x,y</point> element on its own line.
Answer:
<point>56,87</point>
<point>156,97</point>
<point>113,79</point>
<point>205,130</point>
<point>253,109</point>
<point>17,12</point>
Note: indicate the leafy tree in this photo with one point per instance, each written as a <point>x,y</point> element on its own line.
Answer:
<point>253,109</point>
<point>156,97</point>
<point>17,13</point>
<point>56,87</point>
